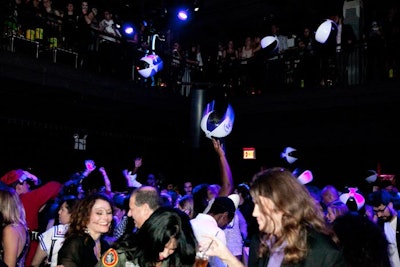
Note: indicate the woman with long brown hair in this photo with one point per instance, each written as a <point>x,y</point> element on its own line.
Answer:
<point>84,244</point>
<point>292,228</point>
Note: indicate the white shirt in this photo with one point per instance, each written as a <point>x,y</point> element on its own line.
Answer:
<point>109,27</point>
<point>55,233</point>
<point>132,182</point>
<point>390,232</point>
<point>233,233</point>
<point>205,224</point>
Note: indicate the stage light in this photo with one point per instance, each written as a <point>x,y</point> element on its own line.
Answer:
<point>324,31</point>
<point>128,29</point>
<point>196,5</point>
<point>183,14</point>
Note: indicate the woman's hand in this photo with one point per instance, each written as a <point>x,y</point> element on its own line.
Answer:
<point>218,249</point>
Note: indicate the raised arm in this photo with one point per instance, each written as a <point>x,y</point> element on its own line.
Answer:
<point>131,176</point>
<point>225,170</point>
<point>107,182</point>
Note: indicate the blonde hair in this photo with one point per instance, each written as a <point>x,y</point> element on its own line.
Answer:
<point>11,208</point>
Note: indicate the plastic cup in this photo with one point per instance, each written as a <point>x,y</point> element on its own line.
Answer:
<point>201,260</point>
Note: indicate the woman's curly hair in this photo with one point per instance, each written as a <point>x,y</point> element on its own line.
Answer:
<point>80,215</point>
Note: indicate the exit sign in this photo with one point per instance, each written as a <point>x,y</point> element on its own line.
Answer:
<point>249,153</point>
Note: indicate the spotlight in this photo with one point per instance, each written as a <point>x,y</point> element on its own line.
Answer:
<point>196,5</point>
<point>129,30</point>
<point>183,14</point>
<point>324,31</point>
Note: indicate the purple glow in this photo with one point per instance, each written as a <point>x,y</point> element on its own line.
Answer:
<point>182,15</point>
<point>129,30</point>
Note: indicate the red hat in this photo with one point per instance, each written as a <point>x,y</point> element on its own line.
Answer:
<point>13,176</point>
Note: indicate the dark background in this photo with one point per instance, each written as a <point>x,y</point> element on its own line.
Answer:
<point>340,132</point>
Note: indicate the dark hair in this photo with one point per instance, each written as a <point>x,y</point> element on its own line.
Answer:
<point>199,193</point>
<point>221,205</point>
<point>71,201</point>
<point>380,197</point>
<point>244,190</point>
<point>80,215</point>
<point>185,204</point>
<point>144,246</point>
<point>363,241</point>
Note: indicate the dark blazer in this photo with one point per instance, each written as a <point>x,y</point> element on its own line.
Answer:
<point>322,253</point>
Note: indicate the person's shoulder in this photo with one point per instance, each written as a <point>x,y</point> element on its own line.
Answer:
<point>11,229</point>
<point>49,232</point>
<point>75,239</point>
<point>323,251</point>
<point>59,230</point>
<point>320,241</point>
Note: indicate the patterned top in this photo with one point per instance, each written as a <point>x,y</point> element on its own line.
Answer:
<point>115,258</point>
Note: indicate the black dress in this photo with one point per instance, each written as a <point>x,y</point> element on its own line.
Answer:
<point>78,251</point>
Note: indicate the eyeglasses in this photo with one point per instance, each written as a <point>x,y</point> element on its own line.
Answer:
<point>380,210</point>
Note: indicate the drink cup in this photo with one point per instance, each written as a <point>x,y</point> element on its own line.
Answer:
<point>201,260</point>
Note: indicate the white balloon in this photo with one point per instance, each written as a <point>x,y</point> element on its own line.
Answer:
<point>323,31</point>
<point>221,128</point>
<point>268,40</point>
<point>154,64</point>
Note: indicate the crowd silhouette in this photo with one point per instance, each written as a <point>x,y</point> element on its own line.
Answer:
<point>76,223</point>
<point>239,64</point>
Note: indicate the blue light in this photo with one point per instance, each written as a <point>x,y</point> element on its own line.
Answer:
<point>129,30</point>
<point>183,15</point>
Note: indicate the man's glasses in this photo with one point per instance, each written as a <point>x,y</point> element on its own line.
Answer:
<point>376,211</point>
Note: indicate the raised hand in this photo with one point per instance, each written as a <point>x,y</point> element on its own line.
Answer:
<point>138,162</point>
<point>90,165</point>
<point>32,177</point>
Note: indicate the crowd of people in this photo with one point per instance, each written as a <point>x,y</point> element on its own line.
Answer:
<point>240,66</point>
<point>275,218</point>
